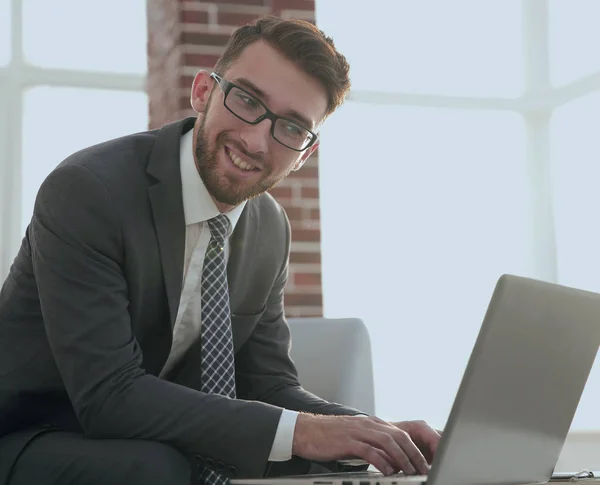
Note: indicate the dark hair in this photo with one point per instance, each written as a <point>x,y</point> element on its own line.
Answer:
<point>300,42</point>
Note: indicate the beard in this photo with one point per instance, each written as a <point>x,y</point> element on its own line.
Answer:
<point>226,189</point>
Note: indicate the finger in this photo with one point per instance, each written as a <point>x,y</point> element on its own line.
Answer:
<point>376,457</point>
<point>385,442</point>
<point>430,437</point>
<point>425,437</point>
<point>411,450</point>
<point>375,432</point>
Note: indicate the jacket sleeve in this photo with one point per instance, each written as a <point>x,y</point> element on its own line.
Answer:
<point>77,259</point>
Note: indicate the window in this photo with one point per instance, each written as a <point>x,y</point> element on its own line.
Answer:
<point>77,62</point>
<point>438,195</point>
<point>80,118</point>
<point>462,48</point>
<point>5,32</point>
<point>463,165</point>
<point>575,152</point>
<point>573,35</point>
<point>110,35</point>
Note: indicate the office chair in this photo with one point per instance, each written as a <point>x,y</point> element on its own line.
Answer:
<point>333,358</point>
<point>581,450</point>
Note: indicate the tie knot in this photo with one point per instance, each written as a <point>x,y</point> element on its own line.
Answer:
<point>219,227</point>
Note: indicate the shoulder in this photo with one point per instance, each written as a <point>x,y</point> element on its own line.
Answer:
<point>120,154</point>
<point>271,213</point>
<point>117,167</point>
<point>274,230</point>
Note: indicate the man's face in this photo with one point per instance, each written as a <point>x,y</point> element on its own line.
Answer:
<point>223,140</point>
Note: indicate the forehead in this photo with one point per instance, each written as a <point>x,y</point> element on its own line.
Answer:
<point>285,86</point>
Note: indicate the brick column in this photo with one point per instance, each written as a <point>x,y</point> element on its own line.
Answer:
<point>187,35</point>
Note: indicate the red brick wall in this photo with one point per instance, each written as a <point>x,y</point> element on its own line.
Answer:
<point>187,35</point>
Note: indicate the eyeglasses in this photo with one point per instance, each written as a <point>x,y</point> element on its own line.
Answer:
<point>251,110</point>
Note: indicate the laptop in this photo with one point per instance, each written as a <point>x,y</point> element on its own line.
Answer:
<point>518,395</point>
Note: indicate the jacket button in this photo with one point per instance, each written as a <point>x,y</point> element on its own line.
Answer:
<point>232,471</point>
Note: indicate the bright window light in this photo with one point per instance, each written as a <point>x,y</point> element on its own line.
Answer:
<point>574,38</point>
<point>107,36</point>
<point>428,209</point>
<point>574,155</point>
<point>575,151</point>
<point>92,116</point>
<point>464,47</point>
<point>5,32</point>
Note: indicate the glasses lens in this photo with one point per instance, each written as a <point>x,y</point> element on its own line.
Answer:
<point>292,134</point>
<point>248,108</point>
<point>245,106</point>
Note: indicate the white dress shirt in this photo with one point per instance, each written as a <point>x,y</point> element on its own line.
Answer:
<point>198,208</point>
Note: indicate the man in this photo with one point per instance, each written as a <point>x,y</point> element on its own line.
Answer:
<point>142,330</point>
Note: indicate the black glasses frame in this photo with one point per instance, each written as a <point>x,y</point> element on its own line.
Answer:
<point>227,86</point>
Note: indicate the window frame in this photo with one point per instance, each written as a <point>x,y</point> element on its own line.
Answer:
<point>536,105</point>
<point>15,79</point>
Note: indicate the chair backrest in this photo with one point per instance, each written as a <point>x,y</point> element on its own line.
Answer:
<point>333,358</point>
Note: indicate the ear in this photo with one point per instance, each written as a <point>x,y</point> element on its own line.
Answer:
<point>298,165</point>
<point>201,89</point>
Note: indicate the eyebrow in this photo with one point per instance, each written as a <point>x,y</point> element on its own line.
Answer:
<point>291,113</point>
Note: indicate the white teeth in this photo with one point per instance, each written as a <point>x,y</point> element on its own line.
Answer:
<point>239,162</point>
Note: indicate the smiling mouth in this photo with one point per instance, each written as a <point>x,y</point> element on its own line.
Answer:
<point>239,163</point>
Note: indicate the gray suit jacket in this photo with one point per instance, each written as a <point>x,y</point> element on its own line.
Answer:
<point>87,311</point>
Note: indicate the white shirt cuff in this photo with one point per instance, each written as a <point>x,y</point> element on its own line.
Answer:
<point>284,437</point>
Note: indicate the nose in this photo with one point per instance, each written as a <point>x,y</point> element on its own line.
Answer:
<point>257,137</point>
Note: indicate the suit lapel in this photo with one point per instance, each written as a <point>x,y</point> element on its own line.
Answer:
<point>241,243</point>
<point>167,207</point>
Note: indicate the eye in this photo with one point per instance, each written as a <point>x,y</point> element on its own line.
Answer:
<point>248,100</point>
<point>293,129</point>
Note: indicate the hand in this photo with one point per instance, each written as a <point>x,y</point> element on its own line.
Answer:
<point>424,436</point>
<point>388,447</point>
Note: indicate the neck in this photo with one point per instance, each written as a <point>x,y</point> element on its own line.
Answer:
<point>221,206</point>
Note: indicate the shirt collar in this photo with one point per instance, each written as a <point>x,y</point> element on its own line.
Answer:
<point>198,205</point>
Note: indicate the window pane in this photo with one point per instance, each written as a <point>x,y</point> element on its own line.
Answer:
<point>104,36</point>
<point>5,32</point>
<point>463,47</point>
<point>576,172</point>
<point>60,121</point>
<point>574,38</point>
<point>575,151</point>
<point>420,215</point>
